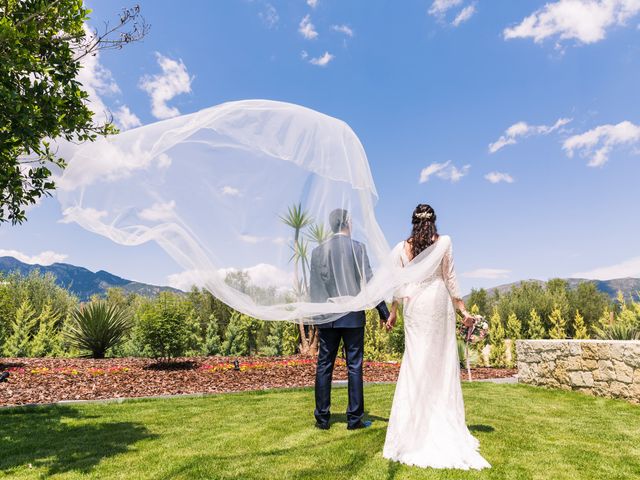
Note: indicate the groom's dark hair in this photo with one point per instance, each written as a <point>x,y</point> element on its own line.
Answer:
<point>338,220</point>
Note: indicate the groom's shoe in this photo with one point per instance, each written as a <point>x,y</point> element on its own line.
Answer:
<point>359,425</point>
<point>322,426</point>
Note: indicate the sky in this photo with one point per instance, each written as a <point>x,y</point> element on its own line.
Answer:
<point>519,122</point>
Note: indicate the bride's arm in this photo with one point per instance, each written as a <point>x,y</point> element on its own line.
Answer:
<point>451,281</point>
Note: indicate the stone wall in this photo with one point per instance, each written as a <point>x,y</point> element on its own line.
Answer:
<point>607,368</point>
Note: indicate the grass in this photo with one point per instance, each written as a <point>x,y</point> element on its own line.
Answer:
<point>525,433</point>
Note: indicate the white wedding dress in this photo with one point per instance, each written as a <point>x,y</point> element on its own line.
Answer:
<point>427,423</point>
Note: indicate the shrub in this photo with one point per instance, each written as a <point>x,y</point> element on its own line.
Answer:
<point>618,331</point>
<point>536,329</point>
<point>497,356</point>
<point>376,339</point>
<point>514,332</point>
<point>212,341</point>
<point>241,335</point>
<point>474,356</point>
<point>164,329</point>
<point>96,327</point>
<point>579,328</point>
<point>17,344</point>
<point>558,329</point>
<point>46,341</point>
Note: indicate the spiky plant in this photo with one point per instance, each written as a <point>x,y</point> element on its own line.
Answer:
<point>298,219</point>
<point>97,326</point>
<point>318,233</point>
<point>618,331</point>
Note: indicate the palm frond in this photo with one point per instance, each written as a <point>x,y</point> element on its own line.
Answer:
<point>318,233</point>
<point>296,217</point>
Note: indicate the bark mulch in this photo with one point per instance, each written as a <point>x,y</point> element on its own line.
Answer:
<point>49,380</point>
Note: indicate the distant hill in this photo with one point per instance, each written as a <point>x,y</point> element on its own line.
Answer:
<point>628,286</point>
<point>82,282</point>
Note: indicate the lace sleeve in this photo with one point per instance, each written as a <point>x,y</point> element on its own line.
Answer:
<point>396,258</point>
<point>449,274</point>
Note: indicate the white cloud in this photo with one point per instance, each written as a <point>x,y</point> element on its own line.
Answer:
<point>230,191</point>
<point>312,3</point>
<point>306,28</point>
<point>83,215</point>
<point>523,129</point>
<point>269,16</point>
<point>488,273</point>
<point>597,143</point>
<point>627,268</point>
<point>43,258</point>
<point>322,61</point>
<point>126,119</point>
<point>104,160</point>
<point>342,29</point>
<point>159,212</point>
<point>465,14</point>
<point>164,86</point>
<point>497,177</point>
<point>586,21</point>
<point>445,171</point>
<point>251,239</point>
<point>262,275</point>
<point>440,7</point>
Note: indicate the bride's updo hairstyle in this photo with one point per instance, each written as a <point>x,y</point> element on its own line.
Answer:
<point>424,232</point>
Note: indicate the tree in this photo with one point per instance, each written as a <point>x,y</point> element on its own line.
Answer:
<point>590,301</point>
<point>164,328</point>
<point>480,299</point>
<point>536,329</point>
<point>558,323</point>
<point>46,341</point>
<point>17,345</point>
<point>579,328</point>
<point>298,219</point>
<point>497,356</point>
<point>212,341</point>
<point>42,43</point>
<point>514,332</point>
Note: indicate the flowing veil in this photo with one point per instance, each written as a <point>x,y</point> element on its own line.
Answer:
<point>239,195</point>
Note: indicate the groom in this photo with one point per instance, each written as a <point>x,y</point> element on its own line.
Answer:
<point>339,267</point>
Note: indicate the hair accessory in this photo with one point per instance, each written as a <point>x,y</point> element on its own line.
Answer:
<point>424,215</point>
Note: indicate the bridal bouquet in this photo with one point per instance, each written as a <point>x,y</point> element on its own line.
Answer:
<point>476,332</point>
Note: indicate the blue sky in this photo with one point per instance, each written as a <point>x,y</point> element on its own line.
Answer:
<point>520,118</point>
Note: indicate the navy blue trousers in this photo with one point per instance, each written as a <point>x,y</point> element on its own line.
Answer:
<point>353,339</point>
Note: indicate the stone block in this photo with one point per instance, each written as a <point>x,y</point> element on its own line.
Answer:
<point>623,372</point>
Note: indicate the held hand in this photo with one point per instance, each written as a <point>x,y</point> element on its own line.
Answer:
<point>391,321</point>
<point>468,319</point>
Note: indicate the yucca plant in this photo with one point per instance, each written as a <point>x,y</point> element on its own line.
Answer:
<point>97,326</point>
<point>298,219</point>
<point>318,233</point>
<point>618,331</point>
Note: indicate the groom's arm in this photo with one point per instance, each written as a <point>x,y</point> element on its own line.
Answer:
<point>383,310</point>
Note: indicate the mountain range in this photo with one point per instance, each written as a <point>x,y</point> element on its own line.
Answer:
<point>85,283</point>
<point>82,282</point>
<point>630,287</point>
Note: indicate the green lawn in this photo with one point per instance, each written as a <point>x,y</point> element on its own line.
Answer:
<point>526,433</point>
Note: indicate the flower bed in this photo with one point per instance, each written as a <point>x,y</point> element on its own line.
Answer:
<point>48,380</point>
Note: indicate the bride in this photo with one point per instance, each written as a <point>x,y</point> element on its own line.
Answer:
<point>427,423</point>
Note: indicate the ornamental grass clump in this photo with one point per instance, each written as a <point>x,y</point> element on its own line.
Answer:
<point>96,327</point>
